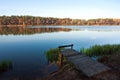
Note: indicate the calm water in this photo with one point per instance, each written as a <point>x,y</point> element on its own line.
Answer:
<point>26,47</point>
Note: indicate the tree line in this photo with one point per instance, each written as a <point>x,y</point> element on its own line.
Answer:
<point>32,20</point>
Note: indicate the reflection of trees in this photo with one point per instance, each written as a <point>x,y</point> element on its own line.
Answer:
<point>23,30</point>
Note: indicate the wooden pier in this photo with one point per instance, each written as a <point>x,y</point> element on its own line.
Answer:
<point>82,62</point>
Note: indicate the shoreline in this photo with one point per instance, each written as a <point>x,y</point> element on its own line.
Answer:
<point>53,25</point>
<point>12,26</point>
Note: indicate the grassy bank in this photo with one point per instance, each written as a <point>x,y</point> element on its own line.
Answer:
<point>100,50</point>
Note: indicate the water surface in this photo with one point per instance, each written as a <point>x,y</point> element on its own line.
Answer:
<point>26,47</point>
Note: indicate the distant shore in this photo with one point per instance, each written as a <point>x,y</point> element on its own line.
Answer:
<point>51,21</point>
<point>51,25</point>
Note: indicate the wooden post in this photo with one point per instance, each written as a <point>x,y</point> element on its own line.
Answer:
<point>60,59</point>
<point>71,46</point>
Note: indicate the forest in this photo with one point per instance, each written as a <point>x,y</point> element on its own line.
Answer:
<point>32,20</point>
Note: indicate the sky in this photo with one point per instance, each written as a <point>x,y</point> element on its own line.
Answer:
<point>76,9</point>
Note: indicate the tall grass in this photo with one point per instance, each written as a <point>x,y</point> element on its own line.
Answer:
<point>100,50</point>
<point>52,55</point>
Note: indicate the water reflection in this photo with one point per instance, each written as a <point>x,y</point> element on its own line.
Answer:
<point>48,29</point>
<point>24,31</point>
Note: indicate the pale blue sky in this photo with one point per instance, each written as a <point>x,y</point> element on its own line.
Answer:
<point>80,9</point>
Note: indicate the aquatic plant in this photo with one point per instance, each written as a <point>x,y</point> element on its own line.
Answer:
<point>52,55</point>
<point>4,65</point>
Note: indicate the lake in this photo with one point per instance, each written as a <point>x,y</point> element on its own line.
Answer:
<point>26,47</point>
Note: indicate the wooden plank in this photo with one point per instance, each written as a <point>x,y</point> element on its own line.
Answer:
<point>84,63</point>
<point>69,52</point>
<point>71,45</point>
